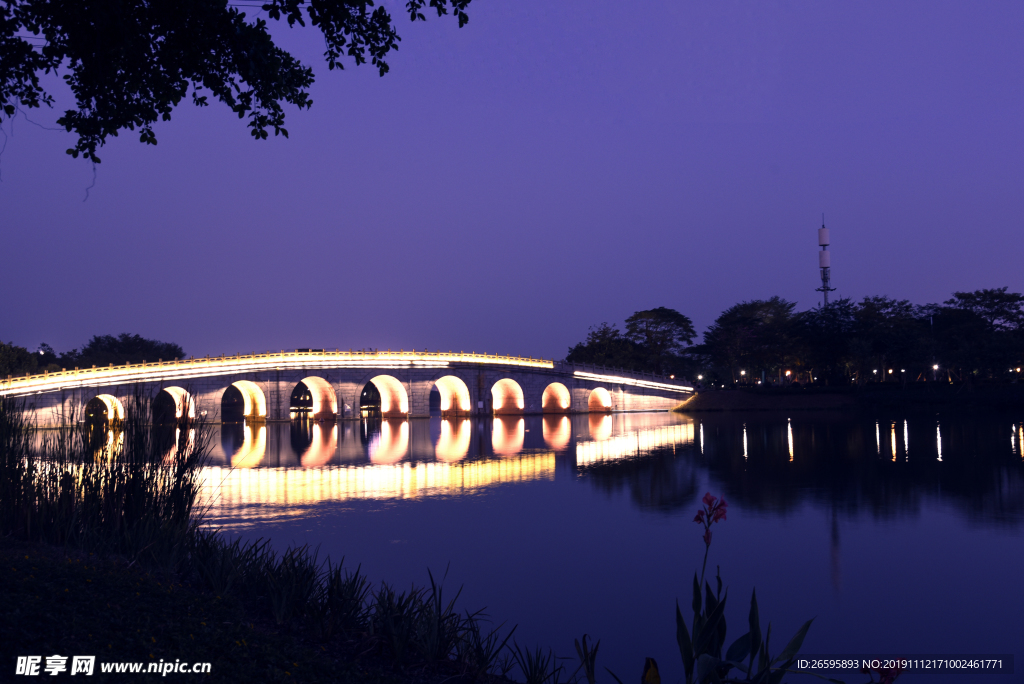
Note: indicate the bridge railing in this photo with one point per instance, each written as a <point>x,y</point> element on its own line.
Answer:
<point>29,381</point>
<point>47,380</point>
<point>610,370</point>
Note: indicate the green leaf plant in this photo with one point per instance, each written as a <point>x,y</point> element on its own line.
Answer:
<point>701,645</point>
<point>748,659</point>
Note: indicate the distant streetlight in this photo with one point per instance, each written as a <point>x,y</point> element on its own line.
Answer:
<point>890,371</point>
<point>743,372</point>
<point>903,370</point>
<point>875,371</point>
<point>788,373</point>
<point>935,367</point>
<point>671,377</point>
<point>700,377</point>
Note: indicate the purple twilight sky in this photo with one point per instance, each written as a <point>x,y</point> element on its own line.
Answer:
<point>550,166</point>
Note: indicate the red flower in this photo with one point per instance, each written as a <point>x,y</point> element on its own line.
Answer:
<point>714,510</point>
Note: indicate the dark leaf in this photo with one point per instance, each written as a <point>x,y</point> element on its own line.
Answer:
<point>685,645</point>
<point>706,665</point>
<point>755,627</point>
<point>793,647</point>
<point>710,629</point>
<point>739,649</point>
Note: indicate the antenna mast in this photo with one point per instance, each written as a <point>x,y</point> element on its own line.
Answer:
<point>824,262</point>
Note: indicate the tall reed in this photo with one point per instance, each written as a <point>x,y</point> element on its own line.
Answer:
<point>132,493</point>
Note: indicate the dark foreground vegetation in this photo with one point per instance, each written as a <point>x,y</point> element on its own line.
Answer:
<point>107,556</point>
<point>104,554</point>
<point>973,337</point>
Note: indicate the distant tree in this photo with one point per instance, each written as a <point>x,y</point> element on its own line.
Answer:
<point>605,346</point>
<point>754,335</point>
<point>825,334</point>
<point>15,360</point>
<point>103,350</point>
<point>662,334</point>
<point>1001,310</point>
<point>129,63</point>
<point>888,333</point>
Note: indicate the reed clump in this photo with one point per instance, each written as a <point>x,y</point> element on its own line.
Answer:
<point>127,491</point>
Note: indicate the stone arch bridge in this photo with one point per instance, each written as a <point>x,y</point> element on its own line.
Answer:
<point>330,386</point>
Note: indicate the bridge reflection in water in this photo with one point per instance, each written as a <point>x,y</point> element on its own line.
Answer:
<point>271,471</point>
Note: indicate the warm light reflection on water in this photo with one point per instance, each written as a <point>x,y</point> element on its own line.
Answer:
<point>789,432</point>
<point>632,443</point>
<point>600,426</point>
<point>508,435</point>
<point>557,432</point>
<point>322,446</point>
<point>252,450</point>
<point>232,493</point>
<point>894,441</point>
<point>453,444</point>
<point>391,444</point>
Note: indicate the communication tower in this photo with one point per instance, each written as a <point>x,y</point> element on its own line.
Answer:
<point>824,262</point>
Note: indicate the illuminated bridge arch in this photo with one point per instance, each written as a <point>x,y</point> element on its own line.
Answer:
<point>600,400</point>
<point>104,408</point>
<point>454,396</point>
<point>394,400</point>
<point>556,399</point>
<point>173,405</point>
<point>318,401</point>
<point>243,400</point>
<point>507,397</point>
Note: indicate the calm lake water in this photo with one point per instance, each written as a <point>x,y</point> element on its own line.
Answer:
<point>898,534</point>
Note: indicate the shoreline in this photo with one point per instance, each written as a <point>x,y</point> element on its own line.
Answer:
<point>925,396</point>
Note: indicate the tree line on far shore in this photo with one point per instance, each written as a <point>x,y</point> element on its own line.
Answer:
<point>101,350</point>
<point>972,337</point>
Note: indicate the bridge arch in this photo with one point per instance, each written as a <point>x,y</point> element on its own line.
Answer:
<point>556,399</point>
<point>243,400</point>
<point>104,407</point>
<point>454,396</point>
<point>507,397</point>
<point>600,400</point>
<point>318,401</point>
<point>173,405</point>
<point>394,400</point>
